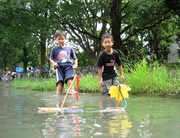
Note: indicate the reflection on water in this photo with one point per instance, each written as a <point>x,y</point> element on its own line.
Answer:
<point>77,125</point>
<point>90,123</point>
<point>145,117</point>
<point>143,127</point>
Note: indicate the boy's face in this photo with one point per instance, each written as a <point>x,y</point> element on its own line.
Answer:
<point>60,40</point>
<point>107,43</point>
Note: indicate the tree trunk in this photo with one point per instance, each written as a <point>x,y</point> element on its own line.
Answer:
<point>43,55</point>
<point>116,22</point>
<point>25,57</point>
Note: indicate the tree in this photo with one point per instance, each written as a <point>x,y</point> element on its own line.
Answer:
<point>85,21</point>
<point>126,19</point>
<point>13,18</point>
<point>40,13</point>
<point>173,5</point>
<point>29,26</point>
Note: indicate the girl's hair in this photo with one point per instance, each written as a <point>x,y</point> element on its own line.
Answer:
<point>106,36</point>
<point>59,33</point>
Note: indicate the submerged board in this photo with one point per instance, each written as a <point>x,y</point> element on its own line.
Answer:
<point>113,109</point>
<point>70,109</point>
<point>74,109</point>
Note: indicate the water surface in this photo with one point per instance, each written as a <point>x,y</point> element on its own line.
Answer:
<point>145,116</point>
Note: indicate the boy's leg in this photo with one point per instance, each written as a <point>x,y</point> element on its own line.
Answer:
<point>69,81</point>
<point>115,81</point>
<point>105,87</point>
<point>69,75</point>
<point>59,80</point>
<point>59,88</point>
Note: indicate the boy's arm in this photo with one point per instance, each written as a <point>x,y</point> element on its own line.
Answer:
<point>100,76</point>
<point>121,72</point>
<point>75,63</point>
<point>55,64</point>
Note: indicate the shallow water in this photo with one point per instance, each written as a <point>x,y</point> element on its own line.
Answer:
<point>145,116</point>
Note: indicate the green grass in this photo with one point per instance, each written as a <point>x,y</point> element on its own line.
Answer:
<point>157,79</point>
<point>89,83</point>
<point>35,84</point>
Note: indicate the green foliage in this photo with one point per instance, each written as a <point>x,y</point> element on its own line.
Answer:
<point>155,79</point>
<point>142,79</point>
<point>35,84</point>
<point>173,5</point>
<point>139,77</point>
<point>83,59</point>
<point>146,12</point>
<point>89,83</point>
<point>27,28</point>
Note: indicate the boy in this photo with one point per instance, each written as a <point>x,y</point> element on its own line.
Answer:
<point>64,60</point>
<point>107,60</point>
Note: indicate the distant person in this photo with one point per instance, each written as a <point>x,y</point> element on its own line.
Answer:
<point>29,71</point>
<point>14,74</point>
<point>8,72</point>
<point>64,60</point>
<point>108,61</point>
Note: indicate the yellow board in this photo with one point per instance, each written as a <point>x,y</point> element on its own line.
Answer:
<point>116,93</point>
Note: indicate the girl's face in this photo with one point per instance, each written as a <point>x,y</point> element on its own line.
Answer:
<point>60,40</point>
<point>107,43</point>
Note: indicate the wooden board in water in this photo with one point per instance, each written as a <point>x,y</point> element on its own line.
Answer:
<point>113,109</point>
<point>75,109</point>
<point>56,109</point>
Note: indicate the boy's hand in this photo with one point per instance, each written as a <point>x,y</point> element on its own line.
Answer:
<point>100,83</point>
<point>55,65</point>
<point>74,66</point>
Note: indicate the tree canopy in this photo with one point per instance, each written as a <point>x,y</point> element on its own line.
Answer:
<point>139,27</point>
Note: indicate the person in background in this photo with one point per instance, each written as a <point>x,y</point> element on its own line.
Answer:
<point>107,63</point>
<point>64,60</point>
<point>8,76</point>
<point>29,71</point>
<point>14,74</point>
<point>8,72</point>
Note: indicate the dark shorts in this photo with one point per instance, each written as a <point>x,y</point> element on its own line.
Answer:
<point>64,73</point>
<point>106,85</point>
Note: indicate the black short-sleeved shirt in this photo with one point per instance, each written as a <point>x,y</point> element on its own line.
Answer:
<point>108,62</point>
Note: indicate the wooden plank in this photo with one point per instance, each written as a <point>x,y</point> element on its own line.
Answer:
<point>113,109</point>
<point>56,109</point>
<point>68,91</point>
<point>76,109</point>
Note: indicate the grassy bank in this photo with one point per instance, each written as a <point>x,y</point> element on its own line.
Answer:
<point>156,79</point>
<point>142,79</point>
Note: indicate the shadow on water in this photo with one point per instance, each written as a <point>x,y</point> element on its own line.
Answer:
<point>145,116</point>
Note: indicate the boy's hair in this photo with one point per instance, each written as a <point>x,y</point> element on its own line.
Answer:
<point>59,33</point>
<point>106,36</point>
